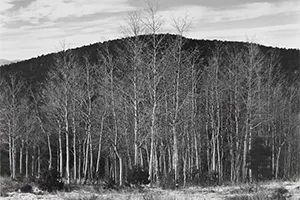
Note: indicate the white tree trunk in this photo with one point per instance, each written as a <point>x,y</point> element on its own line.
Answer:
<point>33,162</point>
<point>67,143</point>
<point>74,143</point>
<point>13,158</point>
<point>86,158</point>
<point>27,160</point>
<point>21,156</point>
<point>39,162</point>
<point>50,152</point>
<point>100,144</point>
<point>60,150</point>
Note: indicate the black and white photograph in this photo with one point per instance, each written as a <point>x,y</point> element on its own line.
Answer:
<point>150,99</point>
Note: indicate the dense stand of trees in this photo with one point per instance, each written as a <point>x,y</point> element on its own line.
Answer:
<point>152,102</point>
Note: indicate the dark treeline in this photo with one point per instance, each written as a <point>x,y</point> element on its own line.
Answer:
<point>177,107</point>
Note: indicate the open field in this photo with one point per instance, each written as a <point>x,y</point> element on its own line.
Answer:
<point>268,190</point>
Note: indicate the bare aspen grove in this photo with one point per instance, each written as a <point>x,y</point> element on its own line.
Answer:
<point>185,112</point>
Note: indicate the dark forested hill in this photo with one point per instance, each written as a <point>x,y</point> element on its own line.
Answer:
<point>35,69</point>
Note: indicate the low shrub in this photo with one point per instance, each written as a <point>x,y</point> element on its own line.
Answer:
<point>138,176</point>
<point>110,184</point>
<point>26,188</point>
<point>168,182</point>
<point>281,194</point>
<point>195,177</point>
<point>212,178</point>
<point>258,160</point>
<point>50,180</point>
<point>205,179</point>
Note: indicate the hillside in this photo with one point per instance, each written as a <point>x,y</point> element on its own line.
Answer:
<point>35,69</point>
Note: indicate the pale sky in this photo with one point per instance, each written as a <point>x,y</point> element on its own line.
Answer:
<point>29,28</point>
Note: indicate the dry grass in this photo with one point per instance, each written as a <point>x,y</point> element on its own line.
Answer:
<point>255,196</point>
<point>132,196</point>
<point>150,194</point>
<point>275,190</point>
<point>242,192</point>
<point>256,192</point>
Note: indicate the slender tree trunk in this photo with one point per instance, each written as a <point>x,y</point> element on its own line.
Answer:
<point>10,151</point>
<point>277,160</point>
<point>231,140</point>
<point>21,156</point>
<point>197,159</point>
<point>60,149</point>
<point>89,114</point>
<point>176,110</point>
<point>141,158</point>
<point>175,155</point>
<point>194,113</point>
<point>120,168</point>
<point>13,158</point>
<point>244,169</point>
<point>218,128</point>
<point>48,143</point>
<point>100,143</point>
<point>208,146</point>
<point>153,114</point>
<point>86,158</point>
<point>116,131</point>
<point>91,158</point>
<point>236,130</point>
<point>164,162</point>
<point>152,132</point>
<point>213,138</point>
<point>74,143</point>
<point>33,162</point>
<point>153,117</point>
<point>57,160</point>
<point>156,166</point>
<point>185,168</point>
<point>219,160</point>
<point>115,170</point>
<point>128,150</point>
<point>67,143</point>
<point>273,152</point>
<point>79,162</point>
<point>39,162</point>
<point>232,157</point>
<point>50,152</point>
<point>170,163</point>
<point>135,106</point>
<point>248,126</point>
<point>218,112</point>
<point>27,160</point>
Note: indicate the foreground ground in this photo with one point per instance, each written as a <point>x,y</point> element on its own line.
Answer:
<point>270,190</point>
